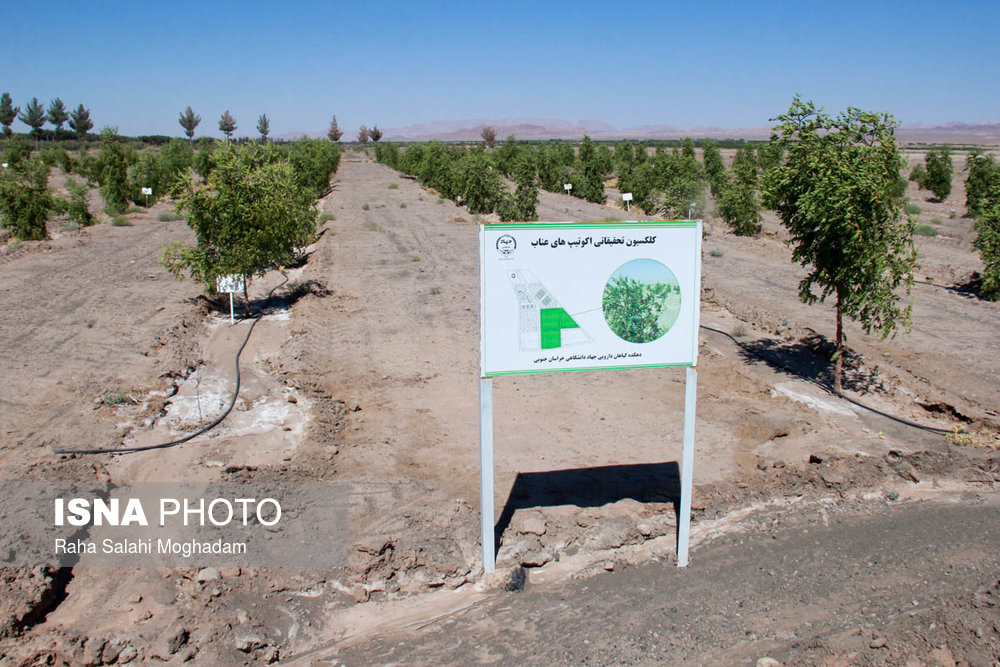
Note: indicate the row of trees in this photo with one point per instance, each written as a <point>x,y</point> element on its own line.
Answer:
<point>189,120</point>
<point>35,116</point>
<point>121,172</point>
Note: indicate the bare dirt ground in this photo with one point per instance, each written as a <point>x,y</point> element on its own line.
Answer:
<point>366,371</point>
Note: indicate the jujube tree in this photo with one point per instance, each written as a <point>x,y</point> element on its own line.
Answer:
<point>835,194</point>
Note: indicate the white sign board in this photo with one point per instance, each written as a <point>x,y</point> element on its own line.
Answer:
<point>147,191</point>
<point>571,296</point>
<point>567,186</point>
<point>626,196</point>
<point>230,284</point>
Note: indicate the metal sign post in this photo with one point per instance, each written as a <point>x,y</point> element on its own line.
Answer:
<point>232,283</point>
<point>147,192</point>
<point>627,197</point>
<point>556,297</point>
<point>486,473</point>
<point>567,187</point>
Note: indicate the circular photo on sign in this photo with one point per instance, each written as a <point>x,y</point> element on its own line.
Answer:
<point>642,300</point>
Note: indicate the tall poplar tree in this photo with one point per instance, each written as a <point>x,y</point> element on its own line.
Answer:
<point>264,127</point>
<point>227,124</point>
<point>8,113</point>
<point>57,115</point>
<point>334,133</point>
<point>33,116</point>
<point>79,120</point>
<point>189,120</point>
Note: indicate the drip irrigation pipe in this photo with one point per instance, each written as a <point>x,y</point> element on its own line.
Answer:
<point>205,429</point>
<point>827,388</point>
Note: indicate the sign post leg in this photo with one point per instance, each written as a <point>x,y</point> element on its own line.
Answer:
<point>687,467</point>
<point>486,472</point>
<point>232,315</point>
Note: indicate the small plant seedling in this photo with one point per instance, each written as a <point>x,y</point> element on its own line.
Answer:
<point>394,186</point>
<point>135,209</point>
<point>435,291</point>
<point>402,204</point>
<point>439,200</point>
<point>365,206</point>
<point>326,217</point>
<point>371,226</point>
<point>925,230</point>
<point>716,252</point>
<point>936,221</point>
<point>120,221</point>
<point>415,258</point>
<point>739,331</point>
<point>911,208</point>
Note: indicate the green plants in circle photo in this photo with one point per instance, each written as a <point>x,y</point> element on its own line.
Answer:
<point>642,300</point>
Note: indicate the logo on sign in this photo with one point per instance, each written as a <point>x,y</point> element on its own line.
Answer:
<point>506,245</point>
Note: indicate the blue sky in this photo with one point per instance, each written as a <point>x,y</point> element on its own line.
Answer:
<point>137,65</point>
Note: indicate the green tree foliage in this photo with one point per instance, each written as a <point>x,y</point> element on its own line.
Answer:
<point>918,175</point>
<point>982,170</point>
<point>57,115</point>
<point>505,157</point>
<point>988,240</point>
<point>227,124</point>
<point>315,162</point>
<point>939,169</point>
<point>687,148</point>
<point>79,121</point>
<point>189,121</point>
<point>25,200</point>
<point>76,206</point>
<point>334,133</point>
<point>375,134</point>
<point>588,180</point>
<point>834,194</point>
<point>113,162</point>
<point>8,113</point>
<point>203,161</point>
<point>147,172</point>
<point>250,217</point>
<point>16,150</point>
<point>522,205</point>
<point>481,186</point>
<point>739,205</point>
<point>363,134</point>
<point>33,116</point>
<point>769,155</point>
<point>633,309</point>
<point>713,166</point>
<point>263,127</point>
<point>388,153</point>
<point>175,161</point>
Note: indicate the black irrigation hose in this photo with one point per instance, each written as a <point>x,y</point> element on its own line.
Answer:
<point>824,387</point>
<point>204,429</point>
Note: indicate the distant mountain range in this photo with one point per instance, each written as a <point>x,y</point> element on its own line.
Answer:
<point>553,128</point>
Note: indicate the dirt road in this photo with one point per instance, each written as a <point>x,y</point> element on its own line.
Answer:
<point>910,584</point>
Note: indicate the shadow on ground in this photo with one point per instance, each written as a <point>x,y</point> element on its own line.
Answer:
<point>592,487</point>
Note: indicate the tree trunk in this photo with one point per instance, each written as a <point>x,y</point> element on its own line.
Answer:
<point>838,365</point>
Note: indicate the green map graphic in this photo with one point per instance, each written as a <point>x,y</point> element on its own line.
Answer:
<point>553,321</point>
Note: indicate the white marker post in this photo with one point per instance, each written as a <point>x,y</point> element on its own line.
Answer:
<point>231,283</point>
<point>627,197</point>
<point>147,192</point>
<point>567,187</point>
<point>543,310</point>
